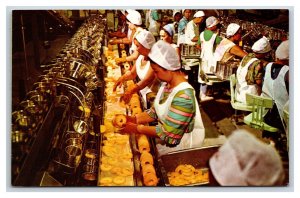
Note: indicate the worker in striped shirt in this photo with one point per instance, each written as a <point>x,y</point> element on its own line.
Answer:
<point>175,107</point>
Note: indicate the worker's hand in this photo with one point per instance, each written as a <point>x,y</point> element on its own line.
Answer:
<point>128,94</point>
<point>129,128</point>
<point>131,119</point>
<point>111,34</point>
<point>126,97</point>
<point>203,76</point>
<point>118,83</point>
<point>120,60</point>
<point>113,41</point>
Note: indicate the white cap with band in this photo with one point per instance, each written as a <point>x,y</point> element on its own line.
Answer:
<point>282,51</point>
<point>262,46</point>
<point>145,38</point>
<point>211,21</point>
<point>244,160</point>
<point>232,29</point>
<point>163,54</point>
<point>170,29</point>
<point>134,17</point>
<point>199,14</point>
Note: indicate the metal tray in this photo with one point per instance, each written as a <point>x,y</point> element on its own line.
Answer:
<point>199,158</point>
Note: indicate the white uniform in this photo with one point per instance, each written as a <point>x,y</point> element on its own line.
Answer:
<point>223,49</point>
<point>191,31</point>
<point>193,139</point>
<point>275,88</point>
<point>142,72</point>
<point>241,86</point>
<point>208,63</point>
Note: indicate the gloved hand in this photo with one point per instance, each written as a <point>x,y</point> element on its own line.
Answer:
<point>126,97</point>
<point>203,76</point>
<point>120,60</point>
<point>113,41</point>
<point>118,83</point>
<point>128,94</point>
<point>131,119</point>
<point>130,128</point>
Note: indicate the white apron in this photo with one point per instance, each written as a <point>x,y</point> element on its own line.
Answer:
<point>276,88</point>
<point>193,139</point>
<point>241,86</point>
<point>133,46</point>
<point>208,63</point>
<point>222,48</point>
<point>142,72</point>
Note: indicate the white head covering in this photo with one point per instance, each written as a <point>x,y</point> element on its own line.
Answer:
<point>134,17</point>
<point>123,12</point>
<point>243,160</point>
<point>262,46</point>
<point>211,21</point>
<point>145,38</point>
<point>165,55</point>
<point>282,51</point>
<point>199,14</point>
<point>175,12</point>
<point>170,29</point>
<point>232,29</point>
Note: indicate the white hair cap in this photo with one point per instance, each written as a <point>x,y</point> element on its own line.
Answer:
<point>170,29</point>
<point>175,12</point>
<point>199,14</point>
<point>134,17</point>
<point>244,160</point>
<point>211,21</point>
<point>262,46</point>
<point>282,51</point>
<point>232,29</point>
<point>145,38</point>
<point>165,55</point>
<point>123,12</point>
<point>129,10</point>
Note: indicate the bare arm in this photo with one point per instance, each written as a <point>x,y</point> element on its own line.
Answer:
<point>133,56</point>
<point>147,130</point>
<point>236,50</point>
<point>143,118</point>
<point>150,76</point>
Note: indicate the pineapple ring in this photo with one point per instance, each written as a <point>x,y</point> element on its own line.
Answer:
<point>105,167</point>
<point>112,161</point>
<point>119,180</point>
<point>106,180</point>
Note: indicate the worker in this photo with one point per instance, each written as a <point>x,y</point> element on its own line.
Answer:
<point>176,18</point>
<point>192,28</point>
<point>166,34</point>
<point>175,107</point>
<point>122,28</point>
<point>141,68</point>
<point>244,160</point>
<point>154,22</point>
<point>228,47</point>
<point>208,41</point>
<point>276,85</point>
<point>134,21</point>
<point>250,72</point>
<point>182,25</point>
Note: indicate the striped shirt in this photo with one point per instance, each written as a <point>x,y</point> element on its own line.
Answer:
<point>180,116</point>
